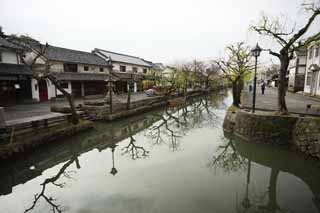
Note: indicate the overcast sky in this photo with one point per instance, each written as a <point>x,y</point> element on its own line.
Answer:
<point>157,30</point>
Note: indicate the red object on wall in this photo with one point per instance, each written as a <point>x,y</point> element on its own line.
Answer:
<point>43,91</point>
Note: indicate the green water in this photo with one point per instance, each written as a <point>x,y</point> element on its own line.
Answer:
<point>169,160</point>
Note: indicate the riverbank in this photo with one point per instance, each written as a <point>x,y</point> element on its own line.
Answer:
<point>35,133</point>
<point>300,133</point>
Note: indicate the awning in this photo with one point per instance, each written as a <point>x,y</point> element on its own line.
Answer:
<point>69,76</point>
<point>128,76</point>
<point>14,69</point>
<point>314,67</point>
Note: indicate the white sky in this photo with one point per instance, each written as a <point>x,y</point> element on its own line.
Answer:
<point>161,31</point>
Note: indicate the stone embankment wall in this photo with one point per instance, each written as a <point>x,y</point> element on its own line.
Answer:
<point>101,110</point>
<point>306,136</point>
<point>301,132</point>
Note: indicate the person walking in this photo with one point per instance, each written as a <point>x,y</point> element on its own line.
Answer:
<point>263,87</point>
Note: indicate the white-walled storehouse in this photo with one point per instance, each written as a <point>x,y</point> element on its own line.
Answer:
<point>15,77</point>
<point>80,73</point>
<point>312,80</point>
<point>126,68</point>
<point>297,71</point>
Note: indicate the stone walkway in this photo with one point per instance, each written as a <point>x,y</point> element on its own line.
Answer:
<point>27,111</point>
<point>296,103</point>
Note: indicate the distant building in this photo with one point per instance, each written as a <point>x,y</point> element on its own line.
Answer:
<point>312,80</point>
<point>15,78</point>
<point>297,71</point>
<point>127,69</point>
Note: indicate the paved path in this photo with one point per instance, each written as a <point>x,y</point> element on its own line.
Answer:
<point>296,103</point>
<point>27,111</point>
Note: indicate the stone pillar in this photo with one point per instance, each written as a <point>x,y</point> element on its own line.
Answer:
<point>82,90</point>
<point>135,87</point>
<point>2,117</point>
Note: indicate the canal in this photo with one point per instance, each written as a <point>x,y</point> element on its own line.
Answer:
<point>169,160</point>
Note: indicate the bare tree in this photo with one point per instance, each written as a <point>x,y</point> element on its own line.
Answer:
<point>43,72</point>
<point>236,67</point>
<point>289,41</point>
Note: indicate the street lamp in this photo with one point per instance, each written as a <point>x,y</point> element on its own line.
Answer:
<point>256,53</point>
<point>113,171</point>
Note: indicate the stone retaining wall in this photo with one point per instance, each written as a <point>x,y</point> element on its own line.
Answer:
<point>301,132</point>
<point>264,128</point>
<point>306,136</point>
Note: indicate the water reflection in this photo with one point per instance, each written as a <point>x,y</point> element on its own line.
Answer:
<point>176,122</point>
<point>238,155</point>
<point>133,149</point>
<point>54,181</point>
<point>239,177</point>
<point>113,171</point>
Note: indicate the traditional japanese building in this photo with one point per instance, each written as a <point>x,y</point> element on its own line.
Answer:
<point>15,77</point>
<point>312,80</point>
<point>127,69</point>
<point>80,73</point>
<point>297,71</point>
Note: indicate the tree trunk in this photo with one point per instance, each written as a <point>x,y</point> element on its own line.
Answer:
<point>129,97</point>
<point>282,85</point>
<point>75,116</point>
<point>235,93</point>
<point>272,204</point>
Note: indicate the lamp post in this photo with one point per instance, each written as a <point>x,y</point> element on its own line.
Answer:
<point>113,171</point>
<point>256,53</point>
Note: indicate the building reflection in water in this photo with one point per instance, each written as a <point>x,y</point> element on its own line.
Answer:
<point>173,122</point>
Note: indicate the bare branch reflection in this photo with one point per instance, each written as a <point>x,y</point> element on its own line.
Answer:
<point>227,158</point>
<point>134,150</point>
<point>176,122</point>
<point>53,180</point>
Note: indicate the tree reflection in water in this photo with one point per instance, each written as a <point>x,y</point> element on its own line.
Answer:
<point>175,122</point>
<point>134,150</point>
<point>230,160</point>
<point>53,180</point>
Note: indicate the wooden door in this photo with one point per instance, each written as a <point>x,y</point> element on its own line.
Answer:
<point>43,91</point>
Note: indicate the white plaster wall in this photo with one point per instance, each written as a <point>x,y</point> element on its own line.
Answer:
<point>302,70</point>
<point>92,69</point>
<point>307,87</point>
<point>35,89</point>
<point>302,59</point>
<point>318,85</point>
<point>116,67</point>
<point>9,57</point>
<point>69,89</point>
<point>51,90</point>
<point>56,66</point>
<point>30,56</point>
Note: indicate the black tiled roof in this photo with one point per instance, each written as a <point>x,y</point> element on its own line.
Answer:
<point>128,76</point>
<point>73,56</point>
<point>14,69</point>
<point>7,44</point>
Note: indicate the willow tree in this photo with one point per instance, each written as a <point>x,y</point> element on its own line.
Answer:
<point>236,67</point>
<point>289,41</point>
